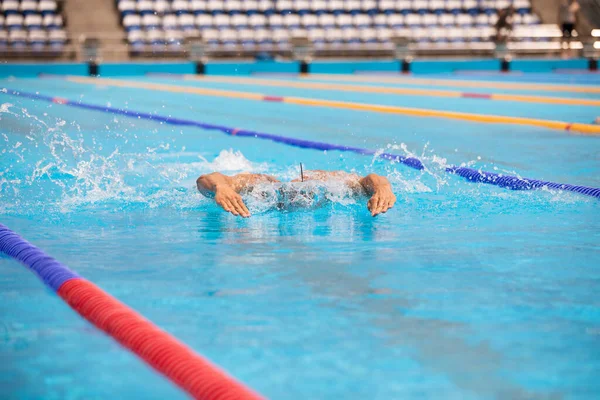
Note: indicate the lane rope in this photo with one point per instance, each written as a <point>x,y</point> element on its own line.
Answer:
<point>472,175</point>
<point>167,355</point>
<point>346,105</point>
<point>304,84</point>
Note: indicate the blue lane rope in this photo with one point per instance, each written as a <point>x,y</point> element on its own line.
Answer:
<point>472,175</point>
<point>50,271</point>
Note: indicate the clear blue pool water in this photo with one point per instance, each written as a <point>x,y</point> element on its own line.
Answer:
<point>462,291</point>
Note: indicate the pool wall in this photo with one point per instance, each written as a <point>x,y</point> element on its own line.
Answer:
<point>293,67</point>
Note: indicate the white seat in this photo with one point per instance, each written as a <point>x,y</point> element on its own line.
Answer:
<point>151,21</point>
<point>438,35</point>
<point>265,5</point>
<point>501,4</point>
<point>316,35</point>
<point>404,6</point>
<point>309,20</point>
<point>471,5</point>
<point>145,6</point>
<point>10,6</point>
<point>263,36</point>
<point>384,35</point>
<point>437,6</point>
<point>350,35</point>
<point>170,22</point>
<point>275,21</point>
<point>333,35</point>
<point>420,5</point>
<point>204,21</point>
<point>281,36</point>
<point>14,21</point>
<point>57,37</point>
<point>132,21</point>
<point>249,6</point>
<point>228,36</point>
<point>162,6</point>
<point>284,6</point>
<point>174,36</point>
<point>326,20</point>
<point>395,20</point>
<point>343,20</point>
<point>38,37</point>
<point>387,6</point>
<point>380,20</point>
<point>531,19</point>
<point>335,6</point>
<point>222,20</point>
<point>239,20</point>
<point>318,6</point>
<point>352,6</point>
<point>447,20</point>
<point>17,37</point>
<point>246,37</point>
<point>291,20</point>
<point>3,38</point>
<point>33,21</point>
<point>430,20</point>
<point>301,6</point>
<point>155,37</point>
<point>257,20</point>
<point>413,20</point>
<point>180,6</point>
<point>362,20</point>
<point>126,6</point>
<point>482,19</point>
<point>522,6</point>
<point>464,20</point>
<point>28,6</point>
<point>368,35</point>
<point>453,6</point>
<point>368,6</point>
<point>233,6</point>
<point>211,36</point>
<point>493,19</point>
<point>187,21</point>
<point>47,6</point>
<point>136,37</point>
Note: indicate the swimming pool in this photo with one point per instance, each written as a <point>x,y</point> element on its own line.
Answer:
<point>463,290</point>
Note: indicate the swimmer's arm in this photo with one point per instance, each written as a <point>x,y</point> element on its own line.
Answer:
<point>226,192</point>
<point>226,189</point>
<point>380,190</point>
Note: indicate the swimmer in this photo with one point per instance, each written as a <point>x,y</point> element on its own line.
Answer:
<point>226,189</point>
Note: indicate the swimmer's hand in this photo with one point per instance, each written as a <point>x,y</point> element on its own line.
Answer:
<point>380,190</point>
<point>231,201</point>
<point>225,189</point>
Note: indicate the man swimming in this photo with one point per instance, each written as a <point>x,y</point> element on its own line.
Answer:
<point>226,189</point>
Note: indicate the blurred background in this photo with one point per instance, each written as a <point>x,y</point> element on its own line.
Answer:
<point>122,30</point>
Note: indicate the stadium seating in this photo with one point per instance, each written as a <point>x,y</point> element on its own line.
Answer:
<point>265,24</point>
<point>31,25</point>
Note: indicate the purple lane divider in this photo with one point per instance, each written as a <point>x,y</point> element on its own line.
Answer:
<point>50,271</point>
<point>504,181</point>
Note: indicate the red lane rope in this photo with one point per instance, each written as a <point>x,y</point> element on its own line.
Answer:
<point>194,374</point>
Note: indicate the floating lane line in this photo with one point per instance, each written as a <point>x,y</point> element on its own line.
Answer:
<point>417,112</point>
<point>472,175</point>
<point>308,144</point>
<point>452,83</point>
<point>180,364</point>
<point>392,90</point>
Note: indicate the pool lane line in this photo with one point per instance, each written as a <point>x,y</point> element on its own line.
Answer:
<point>393,90</point>
<point>302,143</point>
<point>452,82</point>
<point>163,352</point>
<point>472,175</point>
<point>415,112</point>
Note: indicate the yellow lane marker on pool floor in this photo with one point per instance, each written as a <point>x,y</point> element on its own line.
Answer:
<point>419,112</point>
<point>452,83</point>
<point>392,90</point>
